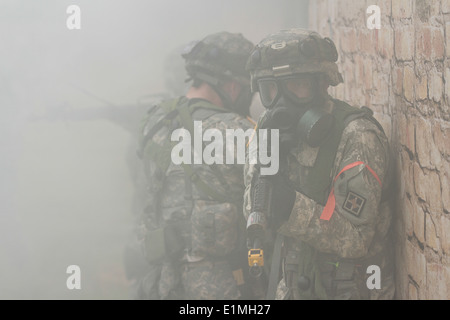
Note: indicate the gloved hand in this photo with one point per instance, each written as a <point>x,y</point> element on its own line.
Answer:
<point>285,120</point>
<point>283,198</point>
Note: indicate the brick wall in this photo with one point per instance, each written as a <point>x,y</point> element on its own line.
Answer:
<point>402,72</point>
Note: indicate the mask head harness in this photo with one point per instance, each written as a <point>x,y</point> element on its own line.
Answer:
<point>218,58</point>
<point>288,70</point>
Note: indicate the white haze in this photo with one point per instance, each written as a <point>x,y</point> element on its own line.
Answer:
<point>67,186</point>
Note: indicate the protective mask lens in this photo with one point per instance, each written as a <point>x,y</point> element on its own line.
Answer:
<point>299,88</point>
<point>268,91</point>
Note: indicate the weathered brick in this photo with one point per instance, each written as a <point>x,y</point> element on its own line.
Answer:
<point>404,43</point>
<point>367,73</point>
<point>407,217</point>
<point>447,281</point>
<point>408,83</point>
<point>416,264</point>
<point>421,87</point>
<point>429,143</point>
<point>445,236</point>
<point>445,185</point>
<point>367,41</point>
<point>385,8</point>
<point>412,292</point>
<point>349,80</point>
<point>435,86</point>
<point>427,187</point>
<point>434,194</point>
<point>419,222</point>
<point>359,97</point>
<point>381,86</point>
<point>447,84</point>
<point>385,43</point>
<point>401,72</point>
<point>437,43</point>
<point>406,132</point>
<point>435,156</point>
<point>445,6</point>
<point>430,42</point>
<point>420,182</point>
<point>397,77</point>
<point>427,11</point>
<point>446,193</point>
<point>423,42</point>
<point>359,69</point>
<point>401,9</point>
<point>441,136</point>
<point>435,11</point>
<point>432,231</point>
<point>423,138</point>
<point>436,282</point>
<point>349,9</point>
<point>349,41</point>
<point>407,175</point>
<point>400,122</point>
<point>447,39</point>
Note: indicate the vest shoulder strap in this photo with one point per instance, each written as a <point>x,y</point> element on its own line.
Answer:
<point>320,177</point>
<point>182,111</point>
<point>150,128</point>
<point>202,109</point>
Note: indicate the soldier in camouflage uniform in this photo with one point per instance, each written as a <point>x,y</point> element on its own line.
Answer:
<point>330,205</point>
<point>190,228</point>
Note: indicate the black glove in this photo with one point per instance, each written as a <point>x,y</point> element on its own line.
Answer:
<point>285,120</point>
<point>274,197</point>
<point>283,198</point>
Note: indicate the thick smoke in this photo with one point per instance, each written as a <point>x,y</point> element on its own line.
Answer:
<point>70,104</point>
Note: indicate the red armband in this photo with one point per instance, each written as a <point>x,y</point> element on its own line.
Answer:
<point>331,202</point>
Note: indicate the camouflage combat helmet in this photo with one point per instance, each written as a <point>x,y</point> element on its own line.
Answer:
<point>219,56</point>
<point>294,51</point>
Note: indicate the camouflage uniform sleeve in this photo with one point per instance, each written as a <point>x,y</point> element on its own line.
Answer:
<point>352,226</point>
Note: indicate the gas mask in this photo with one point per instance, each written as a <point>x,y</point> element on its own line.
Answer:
<point>295,107</point>
<point>243,101</point>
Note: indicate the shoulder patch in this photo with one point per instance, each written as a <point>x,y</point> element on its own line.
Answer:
<point>354,203</point>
